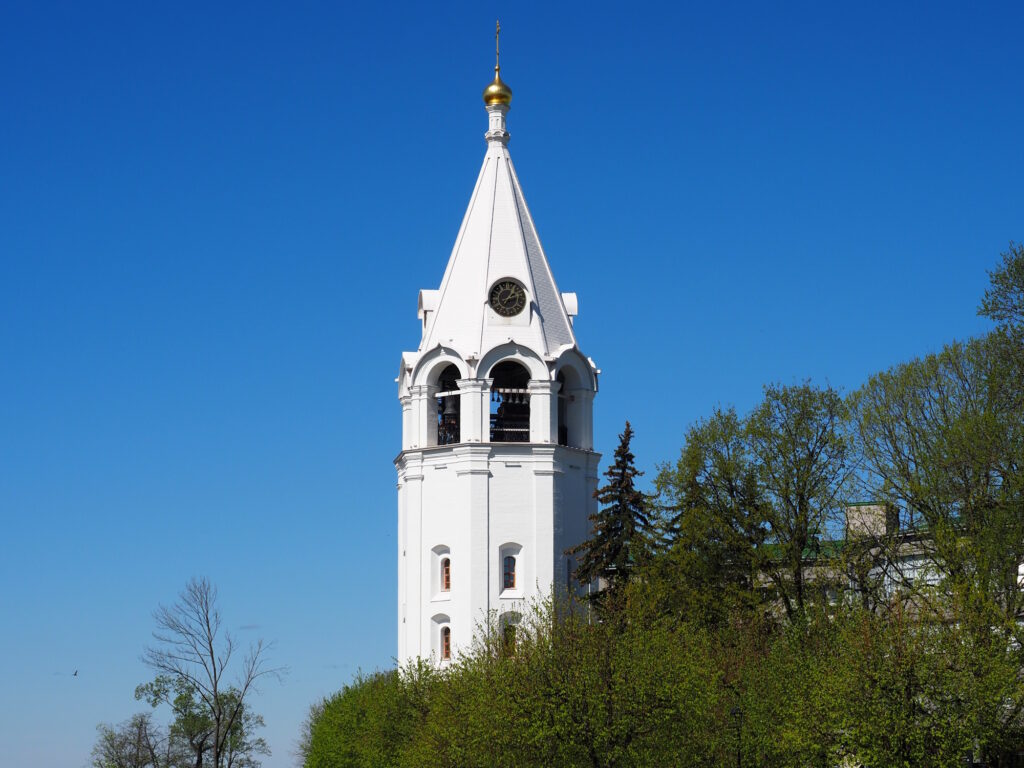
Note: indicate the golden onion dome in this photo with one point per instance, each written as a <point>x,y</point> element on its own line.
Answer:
<point>497,92</point>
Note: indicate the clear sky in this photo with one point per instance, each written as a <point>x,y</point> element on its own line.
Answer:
<point>214,221</point>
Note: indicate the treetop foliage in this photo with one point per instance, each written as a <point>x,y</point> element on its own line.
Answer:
<point>1003,301</point>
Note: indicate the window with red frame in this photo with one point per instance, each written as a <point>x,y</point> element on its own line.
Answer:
<point>509,573</point>
<point>446,642</point>
<point>446,575</point>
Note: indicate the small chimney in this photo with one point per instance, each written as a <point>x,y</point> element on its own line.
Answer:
<point>871,520</point>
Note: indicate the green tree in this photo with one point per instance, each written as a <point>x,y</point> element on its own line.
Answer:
<point>919,692</point>
<point>943,438</point>
<point>574,693</point>
<point>193,658</point>
<point>1003,301</point>
<point>621,524</point>
<point>750,502</point>
<point>785,685</point>
<point>801,445</point>
<point>712,503</point>
<point>192,726</point>
<point>243,746</point>
<point>370,722</point>
<point>137,743</point>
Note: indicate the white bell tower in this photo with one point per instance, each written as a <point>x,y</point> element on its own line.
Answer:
<point>497,470</point>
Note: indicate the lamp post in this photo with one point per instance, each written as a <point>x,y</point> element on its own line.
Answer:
<point>737,715</point>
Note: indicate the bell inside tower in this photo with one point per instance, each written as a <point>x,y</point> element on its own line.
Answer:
<point>510,403</point>
<point>448,406</point>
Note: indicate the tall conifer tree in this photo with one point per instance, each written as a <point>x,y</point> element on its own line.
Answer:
<point>620,525</point>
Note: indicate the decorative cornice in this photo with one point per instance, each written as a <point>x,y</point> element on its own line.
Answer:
<point>473,471</point>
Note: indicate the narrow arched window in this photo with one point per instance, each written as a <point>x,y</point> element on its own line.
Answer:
<point>508,580</point>
<point>510,403</point>
<point>448,406</point>
<point>446,575</point>
<point>446,642</point>
<point>508,637</point>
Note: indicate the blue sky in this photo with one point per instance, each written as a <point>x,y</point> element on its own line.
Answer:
<point>214,221</point>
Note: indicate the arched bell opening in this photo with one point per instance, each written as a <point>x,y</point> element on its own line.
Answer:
<point>563,415</point>
<point>570,408</point>
<point>510,403</point>
<point>448,406</point>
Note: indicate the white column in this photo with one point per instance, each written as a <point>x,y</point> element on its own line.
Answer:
<point>424,415</point>
<point>407,422</point>
<point>402,583</point>
<point>415,593</point>
<point>543,411</point>
<point>474,410</point>
<point>585,398</point>
<point>471,511</point>
<point>544,534</point>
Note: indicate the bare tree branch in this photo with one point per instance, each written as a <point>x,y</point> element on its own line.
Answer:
<point>192,657</point>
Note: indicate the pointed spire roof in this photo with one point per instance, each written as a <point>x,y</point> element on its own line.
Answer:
<point>497,240</point>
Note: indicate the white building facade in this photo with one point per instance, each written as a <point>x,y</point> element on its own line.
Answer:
<point>497,469</point>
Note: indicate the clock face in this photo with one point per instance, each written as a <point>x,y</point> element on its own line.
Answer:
<point>507,298</point>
